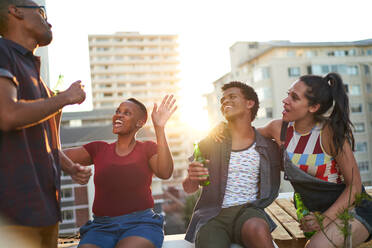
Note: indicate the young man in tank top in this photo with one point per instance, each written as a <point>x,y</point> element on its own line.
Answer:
<point>244,178</point>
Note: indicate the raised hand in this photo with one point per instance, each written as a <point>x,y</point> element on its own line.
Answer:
<point>161,114</point>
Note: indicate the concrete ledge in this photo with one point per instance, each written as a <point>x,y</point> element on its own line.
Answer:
<point>177,241</point>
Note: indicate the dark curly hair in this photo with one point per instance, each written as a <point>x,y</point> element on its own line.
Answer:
<point>248,93</point>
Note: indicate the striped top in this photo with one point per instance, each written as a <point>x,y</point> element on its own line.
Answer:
<point>243,177</point>
<point>307,153</point>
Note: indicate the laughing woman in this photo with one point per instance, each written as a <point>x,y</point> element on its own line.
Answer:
<point>317,141</point>
<point>123,215</point>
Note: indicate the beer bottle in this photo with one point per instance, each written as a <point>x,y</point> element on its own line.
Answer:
<point>301,212</point>
<point>56,88</point>
<point>199,158</point>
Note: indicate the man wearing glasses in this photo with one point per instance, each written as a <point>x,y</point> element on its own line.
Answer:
<point>30,156</point>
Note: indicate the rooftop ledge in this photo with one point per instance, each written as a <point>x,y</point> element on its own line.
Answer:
<point>287,234</point>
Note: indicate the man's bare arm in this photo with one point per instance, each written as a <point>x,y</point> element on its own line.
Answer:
<point>16,114</point>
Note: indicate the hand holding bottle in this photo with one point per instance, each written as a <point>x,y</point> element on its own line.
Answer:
<point>309,223</point>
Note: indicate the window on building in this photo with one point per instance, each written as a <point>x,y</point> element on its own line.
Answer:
<point>361,147</point>
<point>294,71</point>
<point>253,45</point>
<point>355,90</point>
<point>102,49</point>
<point>265,113</point>
<point>107,104</point>
<point>102,40</point>
<point>359,127</point>
<point>368,88</point>
<point>352,52</point>
<point>366,69</point>
<point>311,54</point>
<point>356,108</point>
<point>103,58</point>
<point>370,106</point>
<point>107,94</point>
<point>68,215</point>
<point>75,123</point>
<point>117,57</point>
<point>340,53</point>
<point>105,86</point>
<point>291,53</point>
<point>319,69</point>
<point>352,70</point>
<point>67,194</point>
<point>369,52</point>
<point>363,166</point>
<point>269,112</point>
<point>261,73</point>
<point>331,53</point>
<point>264,93</point>
<point>265,72</point>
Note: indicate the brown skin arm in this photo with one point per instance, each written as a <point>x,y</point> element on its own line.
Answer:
<point>272,130</point>
<point>349,170</point>
<point>17,114</point>
<point>78,173</point>
<point>79,155</point>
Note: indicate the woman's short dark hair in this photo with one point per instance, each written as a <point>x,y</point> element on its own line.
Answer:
<point>330,91</point>
<point>248,93</point>
<point>140,105</point>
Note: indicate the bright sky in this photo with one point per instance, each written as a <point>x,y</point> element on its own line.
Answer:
<point>206,29</point>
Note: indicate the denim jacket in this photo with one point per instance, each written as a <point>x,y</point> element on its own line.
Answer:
<point>210,201</point>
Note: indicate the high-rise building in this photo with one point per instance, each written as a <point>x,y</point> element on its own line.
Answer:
<point>271,67</point>
<point>130,64</point>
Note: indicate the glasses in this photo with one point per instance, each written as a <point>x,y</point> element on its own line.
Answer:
<point>42,10</point>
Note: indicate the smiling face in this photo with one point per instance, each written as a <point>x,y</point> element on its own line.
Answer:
<point>128,118</point>
<point>296,105</point>
<point>234,104</point>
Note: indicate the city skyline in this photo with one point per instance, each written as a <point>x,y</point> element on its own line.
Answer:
<point>206,31</point>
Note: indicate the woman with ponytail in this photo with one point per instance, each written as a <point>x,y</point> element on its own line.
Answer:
<point>317,142</point>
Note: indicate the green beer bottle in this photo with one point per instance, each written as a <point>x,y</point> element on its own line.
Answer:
<point>301,212</point>
<point>199,158</point>
<point>59,83</point>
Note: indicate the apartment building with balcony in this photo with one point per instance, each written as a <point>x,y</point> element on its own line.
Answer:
<point>271,67</point>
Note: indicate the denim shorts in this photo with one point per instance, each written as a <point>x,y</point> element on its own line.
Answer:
<point>106,232</point>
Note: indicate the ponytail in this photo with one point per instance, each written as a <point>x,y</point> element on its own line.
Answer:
<point>329,91</point>
<point>339,120</point>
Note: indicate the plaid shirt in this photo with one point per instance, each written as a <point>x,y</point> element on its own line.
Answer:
<point>29,162</point>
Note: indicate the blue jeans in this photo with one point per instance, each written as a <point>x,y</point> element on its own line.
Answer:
<point>106,232</point>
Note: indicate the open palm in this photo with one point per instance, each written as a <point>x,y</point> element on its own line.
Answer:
<point>161,114</point>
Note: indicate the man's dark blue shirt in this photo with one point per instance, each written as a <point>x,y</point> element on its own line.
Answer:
<point>29,161</point>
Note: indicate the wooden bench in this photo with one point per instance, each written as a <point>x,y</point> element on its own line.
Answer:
<point>287,235</point>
